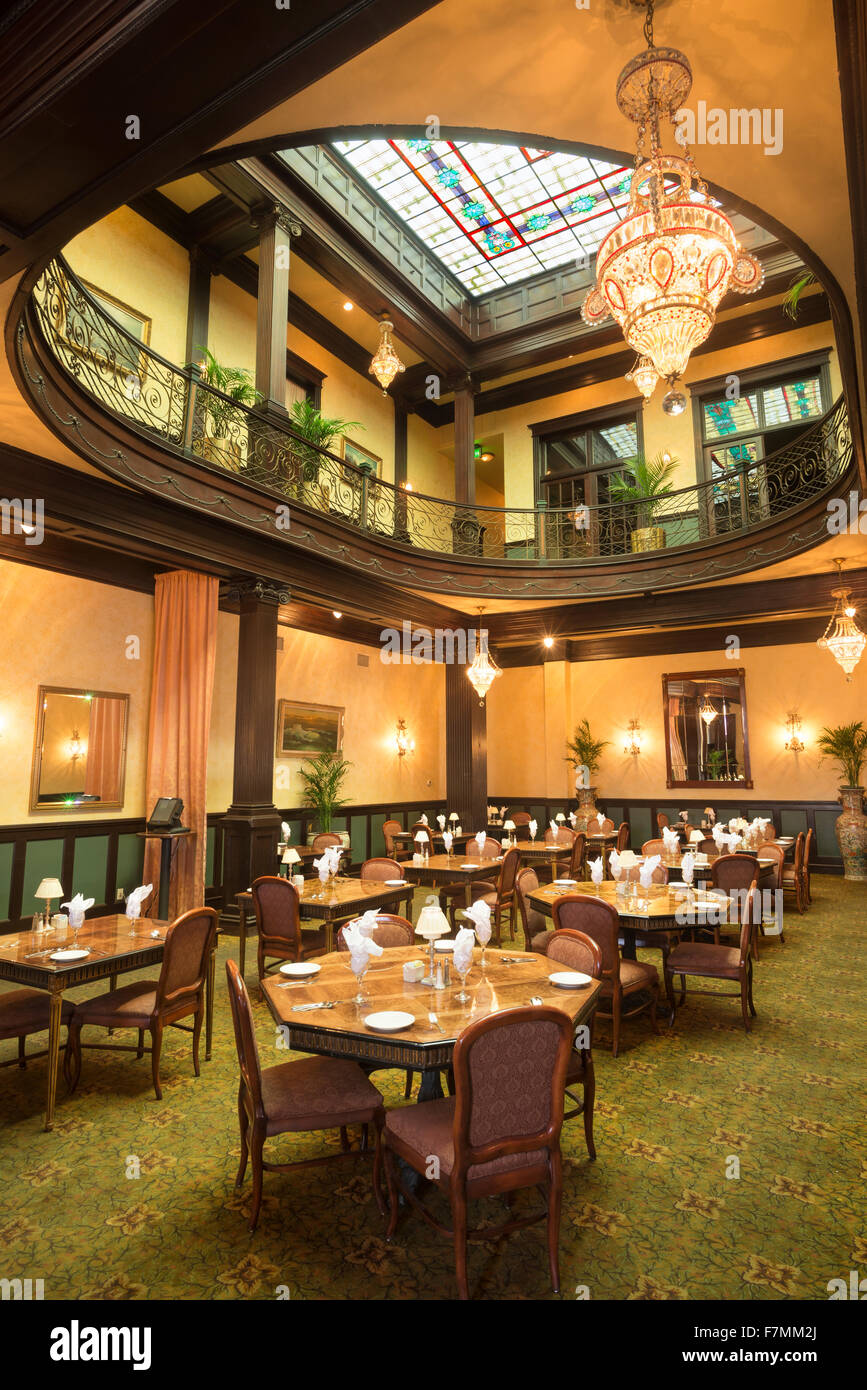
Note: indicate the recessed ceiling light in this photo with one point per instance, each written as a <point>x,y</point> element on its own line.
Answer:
<point>348,304</point>
<point>548,641</point>
<point>336,614</point>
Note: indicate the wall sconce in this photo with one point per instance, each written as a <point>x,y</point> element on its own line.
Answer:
<point>74,747</point>
<point>793,728</point>
<point>405,744</point>
<point>634,745</point>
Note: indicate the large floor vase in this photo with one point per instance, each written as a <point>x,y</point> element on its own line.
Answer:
<point>851,830</point>
<point>586,807</point>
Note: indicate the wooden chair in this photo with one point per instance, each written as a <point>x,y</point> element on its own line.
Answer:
<point>154,1005</point>
<point>621,979</point>
<point>733,873</point>
<point>537,930</point>
<point>490,850</point>
<point>578,858</point>
<point>714,962</point>
<point>324,839</point>
<point>606,828</point>
<point>390,828</point>
<point>653,847</point>
<point>380,870</point>
<point>633,874</point>
<point>808,849</point>
<point>578,952</point>
<point>25,1011</point>
<point>451,895</point>
<point>426,830</point>
<point>295,1098</point>
<point>622,836</point>
<point>793,874</point>
<point>662,820</point>
<point>501,896</point>
<point>562,836</point>
<point>391,932</point>
<point>653,940</point>
<point>278,920</point>
<point>773,884</point>
<point>498,1134</point>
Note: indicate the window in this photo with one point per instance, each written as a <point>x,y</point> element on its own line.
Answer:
<point>576,458</point>
<point>734,437</point>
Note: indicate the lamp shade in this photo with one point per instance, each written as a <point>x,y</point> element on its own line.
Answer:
<point>454,816</point>
<point>291,855</point>
<point>509,825</point>
<point>560,817</point>
<point>421,838</point>
<point>49,888</point>
<point>432,921</point>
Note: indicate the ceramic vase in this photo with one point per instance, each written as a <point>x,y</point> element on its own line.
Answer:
<point>851,831</point>
<point>586,807</point>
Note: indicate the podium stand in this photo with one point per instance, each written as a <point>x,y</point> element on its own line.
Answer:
<point>166,836</point>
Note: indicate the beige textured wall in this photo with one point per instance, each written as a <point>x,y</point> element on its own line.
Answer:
<point>322,670</point>
<point>542,702</point>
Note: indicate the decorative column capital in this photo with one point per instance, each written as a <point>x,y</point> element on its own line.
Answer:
<point>271,215</point>
<point>261,590</point>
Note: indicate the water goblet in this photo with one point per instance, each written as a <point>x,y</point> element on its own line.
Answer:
<point>467,962</point>
<point>483,936</point>
<point>359,965</point>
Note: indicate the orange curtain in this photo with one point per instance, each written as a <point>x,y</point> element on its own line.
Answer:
<point>678,756</point>
<point>104,745</point>
<point>185,649</point>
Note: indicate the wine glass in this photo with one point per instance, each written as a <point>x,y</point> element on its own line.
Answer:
<point>76,921</point>
<point>131,917</point>
<point>467,962</point>
<point>483,936</point>
<point>359,963</point>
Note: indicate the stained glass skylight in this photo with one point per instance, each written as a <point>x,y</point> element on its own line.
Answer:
<point>494,214</point>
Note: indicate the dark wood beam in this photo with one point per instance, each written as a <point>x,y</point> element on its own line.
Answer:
<point>198,305</point>
<point>465,433</point>
<point>466,748</point>
<point>272,308</point>
<point>621,646</point>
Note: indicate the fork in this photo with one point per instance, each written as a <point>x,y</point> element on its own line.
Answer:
<point>305,1008</point>
<point>434,1022</point>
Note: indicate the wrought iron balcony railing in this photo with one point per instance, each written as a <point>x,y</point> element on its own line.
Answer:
<point>171,404</point>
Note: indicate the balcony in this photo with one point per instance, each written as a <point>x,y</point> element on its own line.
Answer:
<point>189,442</point>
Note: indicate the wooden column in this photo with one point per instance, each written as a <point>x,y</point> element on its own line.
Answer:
<point>400,441</point>
<point>276,229</point>
<point>251,826</point>
<point>465,438</point>
<point>466,750</point>
<point>198,304</point>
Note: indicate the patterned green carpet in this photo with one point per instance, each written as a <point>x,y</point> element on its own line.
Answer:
<point>655,1217</point>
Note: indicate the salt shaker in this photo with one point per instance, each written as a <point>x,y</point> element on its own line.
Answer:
<point>439,977</point>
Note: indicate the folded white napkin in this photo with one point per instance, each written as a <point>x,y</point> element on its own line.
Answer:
<point>534,827</point>
<point>670,838</point>
<point>687,867</point>
<point>77,908</point>
<point>441,822</point>
<point>645,873</point>
<point>423,819</point>
<point>463,952</point>
<point>614,861</point>
<point>480,839</point>
<point>601,819</point>
<point>448,841</point>
<point>572,819</point>
<point>553,825</point>
<point>287,831</point>
<point>719,834</point>
<point>480,915</point>
<point>357,935</point>
<point>597,869</point>
<point>136,898</point>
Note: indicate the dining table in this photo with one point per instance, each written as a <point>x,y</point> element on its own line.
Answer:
<point>337,901</point>
<point>657,909</point>
<point>113,947</point>
<point>405,839</point>
<point>320,1015</point>
<point>440,870</point>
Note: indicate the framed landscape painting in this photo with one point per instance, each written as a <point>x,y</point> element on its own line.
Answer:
<point>305,730</point>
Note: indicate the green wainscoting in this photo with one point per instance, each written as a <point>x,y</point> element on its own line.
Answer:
<point>43,859</point>
<point>826,840</point>
<point>792,822</point>
<point>642,826</point>
<point>90,866</point>
<point>210,849</point>
<point>130,863</point>
<point>6,855</point>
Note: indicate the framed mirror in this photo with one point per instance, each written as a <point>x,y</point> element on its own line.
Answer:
<point>706,738</point>
<point>79,757</point>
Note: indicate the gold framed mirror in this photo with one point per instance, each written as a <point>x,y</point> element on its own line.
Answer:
<point>79,755</point>
<point>706,737</point>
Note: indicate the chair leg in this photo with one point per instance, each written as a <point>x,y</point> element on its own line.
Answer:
<point>450,1080</point>
<point>589,1101</point>
<point>112,984</point>
<point>615,1025</point>
<point>654,1002</point>
<point>459,1216</point>
<point>744,1007</point>
<point>682,990</point>
<point>344,1139</point>
<point>393,1196</point>
<point>22,1060</point>
<point>407,1090</point>
<point>156,1048</point>
<point>554,1205</point>
<point>377,1166</point>
<point>140,1053</point>
<point>244,1126</point>
<point>750,993</point>
<point>197,1029</point>
<point>73,1052</point>
<point>257,1140</point>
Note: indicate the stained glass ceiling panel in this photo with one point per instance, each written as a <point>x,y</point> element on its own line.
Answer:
<point>494,214</point>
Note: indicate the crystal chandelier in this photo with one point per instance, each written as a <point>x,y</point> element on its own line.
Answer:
<point>707,711</point>
<point>663,270</point>
<point>645,376</point>
<point>843,637</point>
<point>483,670</point>
<point>385,363</point>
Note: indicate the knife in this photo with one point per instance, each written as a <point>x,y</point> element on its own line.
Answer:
<point>305,1008</point>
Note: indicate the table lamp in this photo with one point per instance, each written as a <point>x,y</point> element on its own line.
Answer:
<point>628,859</point>
<point>49,888</point>
<point>560,818</point>
<point>510,826</point>
<point>432,922</point>
<point>290,856</point>
<point>423,842</point>
<point>454,817</point>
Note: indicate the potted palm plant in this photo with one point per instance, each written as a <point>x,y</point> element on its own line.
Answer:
<point>224,419</point>
<point>323,778</point>
<point>847,745</point>
<point>643,485</point>
<point>584,752</point>
<point>320,432</point>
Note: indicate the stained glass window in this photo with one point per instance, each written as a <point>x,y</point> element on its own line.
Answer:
<point>494,214</point>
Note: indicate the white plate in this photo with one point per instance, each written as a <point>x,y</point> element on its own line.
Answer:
<point>300,969</point>
<point>389,1021</point>
<point>567,881</point>
<point>446,945</point>
<point>395,883</point>
<point>474,865</point>
<point>570,979</point>
<point>69,955</point>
